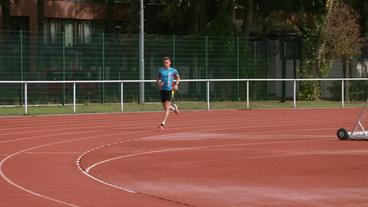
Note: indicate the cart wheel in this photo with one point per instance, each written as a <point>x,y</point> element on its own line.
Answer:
<point>342,134</point>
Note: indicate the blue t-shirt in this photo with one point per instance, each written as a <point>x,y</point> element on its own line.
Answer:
<point>167,77</point>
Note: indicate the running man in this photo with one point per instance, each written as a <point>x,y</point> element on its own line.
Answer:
<point>165,80</point>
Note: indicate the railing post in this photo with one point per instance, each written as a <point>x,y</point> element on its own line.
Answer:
<point>21,56</point>
<point>64,61</point>
<point>74,97</point>
<point>342,93</point>
<point>247,94</point>
<point>208,94</point>
<point>122,96</point>
<point>238,67</point>
<point>294,94</point>
<point>21,62</point>
<point>103,67</point>
<point>206,56</point>
<point>25,98</point>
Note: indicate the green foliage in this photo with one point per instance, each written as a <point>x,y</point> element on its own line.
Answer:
<point>358,90</point>
<point>308,90</point>
<point>342,32</point>
<point>175,13</point>
<point>334,34</point>
<point>315,63</point>
<point>223,24</point>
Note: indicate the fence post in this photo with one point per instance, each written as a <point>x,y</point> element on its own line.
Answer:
<point>64,68</point>
<point>122,96</point>
<point>21,62</point>
<point>103,67</point>
<point>25,98</point>
<point>294,94</point>
<point>206,56</point>
<point>238,66</point>
<point>74,97</point>
<point>208,94</point>
<point>342,94</point>
<point>247,94</point>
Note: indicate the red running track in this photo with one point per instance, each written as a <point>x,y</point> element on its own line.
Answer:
<point>210,159</point>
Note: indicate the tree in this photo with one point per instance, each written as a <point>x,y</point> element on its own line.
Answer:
<point>212,17</point>
<point>176,12</point>
<point>247,16</point>
<point>133,25</point>
<point>199,17</point>
<point>343,37</point>
<point>223,23</point>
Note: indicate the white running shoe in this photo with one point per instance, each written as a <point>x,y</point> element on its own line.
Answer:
<point>175,108</point>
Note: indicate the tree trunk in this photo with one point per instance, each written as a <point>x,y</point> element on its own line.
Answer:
<point>346,83</point>
<point>231,9</point>
<point>199,16</point>
<point>350,75</point>
<point>247,17</point>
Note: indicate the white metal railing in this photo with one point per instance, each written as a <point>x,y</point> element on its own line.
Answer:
<point>208,81</point>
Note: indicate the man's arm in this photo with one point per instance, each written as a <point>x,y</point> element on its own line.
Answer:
<point>158,79</point>
<point>177,80</point>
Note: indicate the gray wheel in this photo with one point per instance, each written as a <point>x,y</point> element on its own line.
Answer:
<point>342,134</point>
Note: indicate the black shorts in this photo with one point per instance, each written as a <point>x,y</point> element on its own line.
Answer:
<point>166,96</point>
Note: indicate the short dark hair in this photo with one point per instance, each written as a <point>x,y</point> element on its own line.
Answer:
<point>167,58</point>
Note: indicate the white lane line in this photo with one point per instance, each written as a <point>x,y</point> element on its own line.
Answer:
<point>182,124</point>
<point>138,126</point>
<point>102,121</point>
<point>195,148</point>
<point>53,127</point>
<point>87,170</point>
<point>7,179</point>
<point>2,174</point>
<point>54,153</point>
<point>47,135</point>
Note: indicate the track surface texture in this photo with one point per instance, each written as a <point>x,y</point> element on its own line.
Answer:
<point>233,158</point>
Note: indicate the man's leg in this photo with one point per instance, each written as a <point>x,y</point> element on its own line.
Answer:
<point>166,105</point>
<point>173,106</point>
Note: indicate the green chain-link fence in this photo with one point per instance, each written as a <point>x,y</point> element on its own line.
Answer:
<point>32,56</point>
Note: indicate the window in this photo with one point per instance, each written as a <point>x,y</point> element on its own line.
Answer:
<point>69,31</point>
<point>83,31</point>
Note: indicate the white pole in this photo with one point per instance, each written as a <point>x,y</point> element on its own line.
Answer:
<point>141,54</point>
<point>238,66</point>
<point>247,94</point>
<point>25,98</point>
<point>206,57</point>
<point>294,94</point>
<point>342,93</point>
<point>122,96</point>
<point>208,95</point>
<point>103,67</point>
<point>74,97</point>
